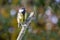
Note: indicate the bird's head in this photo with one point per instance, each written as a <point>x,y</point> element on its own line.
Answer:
<point>22,10</point>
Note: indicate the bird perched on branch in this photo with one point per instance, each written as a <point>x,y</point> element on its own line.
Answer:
<point>21,16</point>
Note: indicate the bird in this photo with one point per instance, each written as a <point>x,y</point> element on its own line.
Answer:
<point>20,16</point>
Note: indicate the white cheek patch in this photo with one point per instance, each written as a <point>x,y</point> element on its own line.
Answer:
<point>21,10</point>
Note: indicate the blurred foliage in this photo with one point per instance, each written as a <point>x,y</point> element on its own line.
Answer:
<point>39,2</point>
<point>7,21</point>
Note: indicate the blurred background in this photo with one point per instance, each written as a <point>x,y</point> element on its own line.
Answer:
<point>8,19</point>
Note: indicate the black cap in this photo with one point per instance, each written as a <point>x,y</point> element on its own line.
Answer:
<point>23,11</point>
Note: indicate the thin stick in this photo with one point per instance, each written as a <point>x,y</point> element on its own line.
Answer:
<point>22,32</point>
